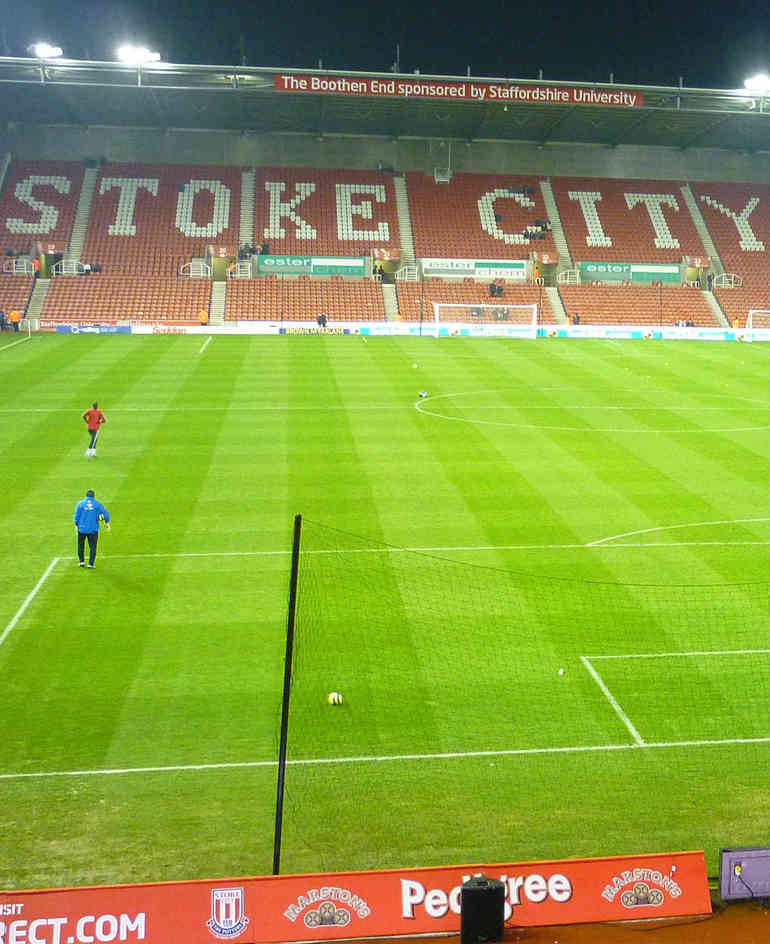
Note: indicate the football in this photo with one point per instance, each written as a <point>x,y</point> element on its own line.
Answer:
<point>335,698</point>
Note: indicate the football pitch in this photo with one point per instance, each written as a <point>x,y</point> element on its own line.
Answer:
<point>537,571</point>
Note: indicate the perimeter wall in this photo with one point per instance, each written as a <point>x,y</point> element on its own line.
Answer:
<point>184,146</point>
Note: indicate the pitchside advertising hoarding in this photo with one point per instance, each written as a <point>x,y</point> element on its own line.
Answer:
<point>341,905</point>
<point>415,87</point>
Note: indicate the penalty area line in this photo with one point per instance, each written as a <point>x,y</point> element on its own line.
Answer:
<point>387,758</point>
<point>29,598</point>
<point>206,343</point>
<point>440,549</point>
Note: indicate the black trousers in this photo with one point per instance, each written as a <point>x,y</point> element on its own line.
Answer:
<point>92,538</point>
<point>93,433</point>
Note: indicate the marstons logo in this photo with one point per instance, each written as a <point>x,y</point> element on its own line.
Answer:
<point>335,907</point>
<point>227,913</point>
<point>642,888</point>
<point>641,894</point>
<point>327,914</point>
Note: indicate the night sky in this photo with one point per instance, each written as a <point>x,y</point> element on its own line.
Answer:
<point>648,42</point>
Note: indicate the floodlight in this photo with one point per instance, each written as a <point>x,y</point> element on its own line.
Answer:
<point>137,55</point>
<point>45,50</point>
<point>758,83</point>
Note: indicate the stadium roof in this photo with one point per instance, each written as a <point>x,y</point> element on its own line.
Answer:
<point>273,101</point>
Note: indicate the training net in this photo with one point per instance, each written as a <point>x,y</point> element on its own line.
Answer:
<point>491,319</point>
<point>491,716</point>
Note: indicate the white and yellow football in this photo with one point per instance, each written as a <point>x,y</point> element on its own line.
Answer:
<point>335,698</point>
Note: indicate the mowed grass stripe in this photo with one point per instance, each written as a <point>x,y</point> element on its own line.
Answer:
<point>643,456</point>
<point>168,701</point>
<point>51,472</point>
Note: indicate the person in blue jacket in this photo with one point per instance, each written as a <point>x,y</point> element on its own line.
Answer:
<point>88,513</point>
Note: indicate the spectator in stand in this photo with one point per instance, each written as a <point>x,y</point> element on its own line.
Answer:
<point>3,320</point>
<point>492,289</point>
<point>36,267</point>
<point>710,282</point>
<point>576,319</point>
<point>14,317</point>
<point>536,272</point>
<point>231,269</point>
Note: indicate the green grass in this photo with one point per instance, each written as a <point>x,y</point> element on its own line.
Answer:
<point>571,500</point>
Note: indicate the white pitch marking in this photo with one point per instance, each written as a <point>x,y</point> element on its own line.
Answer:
<point>673,527</point>
<point>437,550</point>
<point>683,655</point>
<point>30,597</point>
<point>421,407</point>
<point>206,343</point>
<point>251,408</point>
<point>387,758</point>
<point>612,700</point>
<point>13,344</point>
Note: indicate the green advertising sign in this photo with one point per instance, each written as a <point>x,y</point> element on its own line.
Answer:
<point>312,265</point>
<point>476,268</point>
<point>640,273</point>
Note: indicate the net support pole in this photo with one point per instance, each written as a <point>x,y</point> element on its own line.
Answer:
<point>286,694</point>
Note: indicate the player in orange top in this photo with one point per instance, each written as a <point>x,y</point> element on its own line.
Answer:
<point>93,419</point>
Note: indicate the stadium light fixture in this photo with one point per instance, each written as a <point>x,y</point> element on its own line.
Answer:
<point>45,50</point>
<point>758,83</point>
<point>137,55</point>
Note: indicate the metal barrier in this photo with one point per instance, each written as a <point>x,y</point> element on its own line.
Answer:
<point>195,270</point>
<point>18,267</point>
<point>728,280</point>
<point>69,268</point>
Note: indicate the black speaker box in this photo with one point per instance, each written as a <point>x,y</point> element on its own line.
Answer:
<point>482,910</point>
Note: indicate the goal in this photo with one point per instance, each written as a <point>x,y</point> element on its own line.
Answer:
<point>485,320</point>
<point>758,325</point>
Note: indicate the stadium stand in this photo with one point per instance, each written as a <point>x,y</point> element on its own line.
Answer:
<point>38,204</point>
<point>147,220</point>
<point>15,291</point>
<point>476,216</point>
<point>304,299</point>
<point>738,219</point>
<point>150,219</point>
<point>640,305</point>
<point>467,292</point>
<point>109,299</point>
<point>625,220</point>
<point>309,212</point>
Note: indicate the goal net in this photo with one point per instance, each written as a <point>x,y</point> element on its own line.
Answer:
<point>758,325</point>
<point>494,320</point>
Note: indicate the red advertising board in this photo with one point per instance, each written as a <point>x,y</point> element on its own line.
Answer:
<point>355,904</point>
<point>508,93</point>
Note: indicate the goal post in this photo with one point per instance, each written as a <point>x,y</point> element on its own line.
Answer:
<point>481,319</point>
<point>757,325</point>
